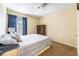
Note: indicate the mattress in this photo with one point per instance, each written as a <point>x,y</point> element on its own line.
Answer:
<point>32,44</point>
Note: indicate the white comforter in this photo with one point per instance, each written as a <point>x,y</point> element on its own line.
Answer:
<point>32,44</point>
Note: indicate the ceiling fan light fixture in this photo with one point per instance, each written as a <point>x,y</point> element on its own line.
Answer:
<point>44,4</point>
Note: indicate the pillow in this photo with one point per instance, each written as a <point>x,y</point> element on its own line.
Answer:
<point>5,35</point>
<point>16,37</point>
<point>7,40</point>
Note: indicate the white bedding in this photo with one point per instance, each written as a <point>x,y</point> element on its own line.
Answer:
<point>32,44</point>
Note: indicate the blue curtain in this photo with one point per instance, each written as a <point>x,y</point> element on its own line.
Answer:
<point>24,25</point>
<point>12,21</point>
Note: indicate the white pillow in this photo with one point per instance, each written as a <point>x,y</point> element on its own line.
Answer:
<point>7,40</point>
<point>16,37</point>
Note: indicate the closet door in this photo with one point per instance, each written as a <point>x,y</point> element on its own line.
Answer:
<point>24,25</point>
<point>12,22</point>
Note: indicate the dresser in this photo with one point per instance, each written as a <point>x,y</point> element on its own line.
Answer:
<point>41,29</point>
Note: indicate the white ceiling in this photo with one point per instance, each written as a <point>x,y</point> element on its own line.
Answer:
<point>32,8</point>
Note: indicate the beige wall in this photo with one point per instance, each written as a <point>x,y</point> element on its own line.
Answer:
<point>32,24</point>
<point>61,25</point>
<point>2,19</point>
<point>78,31</point>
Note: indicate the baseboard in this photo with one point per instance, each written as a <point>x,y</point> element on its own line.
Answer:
<point>65,44</point>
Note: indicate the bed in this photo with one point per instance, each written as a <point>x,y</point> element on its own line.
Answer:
<point>33,45</point>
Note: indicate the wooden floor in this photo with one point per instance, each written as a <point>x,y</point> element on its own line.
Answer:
<point>58,49</point>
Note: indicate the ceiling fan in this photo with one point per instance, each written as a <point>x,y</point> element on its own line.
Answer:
<point>42,5</point>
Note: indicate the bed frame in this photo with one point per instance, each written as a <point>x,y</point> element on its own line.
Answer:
<point>16,52</point>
